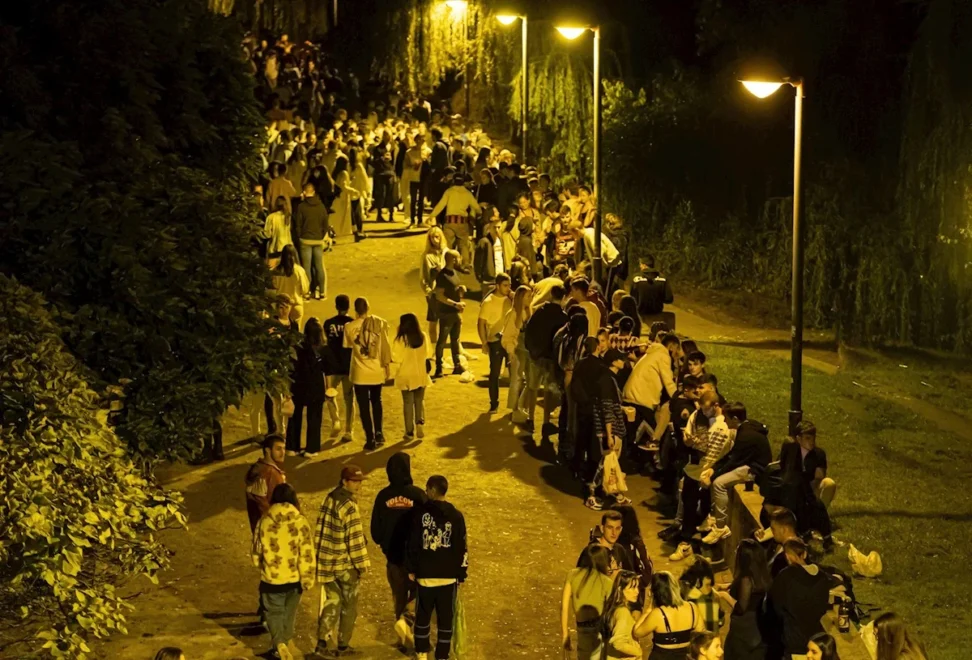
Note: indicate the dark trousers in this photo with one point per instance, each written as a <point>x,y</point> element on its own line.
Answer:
<point>496,356</point>
<point>369,407</point>
<point>213,444</point>
<point>696,502</point>
<point>449,327</point>
<point>268,412</point>
<point>403,589</point>
<point>642,414</point>
<point>315,417</point>
<point>357,216</point>
<point>417,193</point>
<point>587,448</point>
<point>440,600</point>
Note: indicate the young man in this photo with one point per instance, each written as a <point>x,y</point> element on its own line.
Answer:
<point>263,476</point>
<point>492,314</point>
<point>540,330</point>
<point>650,289</point>
<point>783,528</point>
<point>682,407</point>
<point>438,560</point>
<point>650,384</point>
<point>367,337</point>
<point>807,490</point>
<point>607,536</point>
<point>342,557</point>
<point>609,423</point>
<point>448,296</point>
<point>391,524</point>
<point>338,367</point>
<point>459,205</point>
<point>584,238</point>
<point>542,289</point>
<point>583,391</point>
<point>311,225</point>
<point>579,293</point>
<point>799,598</point>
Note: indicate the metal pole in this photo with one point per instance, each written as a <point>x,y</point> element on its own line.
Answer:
<point>525,96</point>
<point>597,262</point>
<point>466,74</point>
<point>796,346</point>
<point>335,13</point>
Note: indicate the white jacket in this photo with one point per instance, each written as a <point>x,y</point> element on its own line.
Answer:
<point>411,373</point>
<point>650,374</point>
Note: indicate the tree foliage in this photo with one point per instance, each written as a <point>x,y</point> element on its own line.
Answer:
<point>127,152</point>
<point>78,516</point>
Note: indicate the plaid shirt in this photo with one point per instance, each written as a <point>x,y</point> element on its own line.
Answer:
<point>623,342</point>
<point>341,543</point>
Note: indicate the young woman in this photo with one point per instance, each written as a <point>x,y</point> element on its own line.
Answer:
<point>170,653</point>
<point>822,647</point>
<point>750,583</point>
<point>283,551</point>
<point>342,218</point>
<point>630,308</point>
<point>619,618</point>
<point>433,261</point>
<point>362,186</point>
<point>386,187</point>
<point>671,622</point>
<point>289,277</point>
<point>705,646</point>
<point>308,390</point>
<point>893,640</point>
<point>277,230</point>
<point>513,341</point>
<point>412,351</point>
<point>585,591</point>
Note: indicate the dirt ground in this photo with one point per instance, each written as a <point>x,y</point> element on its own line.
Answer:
<point>526,520</point>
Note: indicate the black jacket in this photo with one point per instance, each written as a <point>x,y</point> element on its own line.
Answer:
<point>542,327</point>
<point>311,219</point>
<point>391,516</point>
<point>308,385</point>
<point>652,293</point>
<point>751,448</point>
<point>437,544</point>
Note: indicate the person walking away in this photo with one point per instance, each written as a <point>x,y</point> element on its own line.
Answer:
<point>512,339</point>
<point>671,622</point>
<point>650,289</point>
<point>291,279</point>
<point>386,187</point>
<point>492,313</point>
<point>438,560</point>
<point>618,620</point>
<point>586,590</point>
<point>799,598</point>
<point>413,352</point>
<point>367,337</point>
<point>391,523</point>
<point>411,181</point>
<point>308,389</point>
<point>342,558</point>
<point>540,330</point>
<point>312,230</point>
<point>448,297</point>
<point>345,195</point>
<point>751,581</point>
<point>338,367</point>
<point>433,261</point>
<point>277,231</point>
<point>458,204</point>
<point>283,552</point>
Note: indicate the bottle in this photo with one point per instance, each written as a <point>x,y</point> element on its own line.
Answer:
<point>843,616</point>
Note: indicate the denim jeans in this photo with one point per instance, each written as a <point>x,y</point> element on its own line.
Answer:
<point>720,492</point>
<point>312,259</point>
<point>496,356</point>
<point>517,378</point>
<point>449,327</point>
<point>414,404</point>
<point>280,612</point>
<point>340,607</point>
<point>369,407</point>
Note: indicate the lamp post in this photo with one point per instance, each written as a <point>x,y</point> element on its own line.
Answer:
<point>572,33</point>
<point>509,19</point>
<point>462,7</point>
<point>761,89</point>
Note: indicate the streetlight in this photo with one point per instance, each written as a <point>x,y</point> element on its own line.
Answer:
<point>460,7</point>
<point>572,32</point>
<point>761,88</point>
<point>509,19</point>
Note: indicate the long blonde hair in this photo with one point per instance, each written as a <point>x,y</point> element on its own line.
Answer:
<point>521,309</point>
<point>429,246</point>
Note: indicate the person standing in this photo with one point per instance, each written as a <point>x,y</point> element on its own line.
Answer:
<point>277,231</point>
<point>263,477</point>
<point>799,597</point>
<point>433,261</point>
<point>513,343</point>
<point>367,337</point>
<point>342,558</point>
<point>458,204</point>
<point>492,313</point>
<point>412,351</point>
<point>751,581</point>
<point>585,592</point>
<point>386,187</point>
<point>448,298</point>
<point>438,560</point>
<point>338,367</point>
<point>539,331</point>
<point>391,524</point>
<point>346,195</point>
<point>307,390</point>
<point>291,279</point>
<point>411,181</point>
<point>312,230</point>
<point>283,552</point>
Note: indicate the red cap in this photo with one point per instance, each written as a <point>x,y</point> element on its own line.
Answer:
<point>352,473</point>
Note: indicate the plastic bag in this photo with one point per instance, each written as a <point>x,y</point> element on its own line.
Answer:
<point>460,634</point>
<point>869,565</point>
<point>614,481</point>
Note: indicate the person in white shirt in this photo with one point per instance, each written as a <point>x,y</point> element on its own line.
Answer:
<point>492,313</point>
<point>585,235</point>
<point>650,384</point>
<point>412,351</point>
<point>459,204</point>
<point>542,289</point>
<point>277,229</point>
<point>578,292</point>
<point>367,337</point>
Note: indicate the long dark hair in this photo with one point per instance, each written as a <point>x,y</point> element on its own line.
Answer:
<point>827,645</point>
<point>340,165</point>
<point>595,559</point>
<point>288,259</point>
<point>409,331</point>
<point>751,563</point>
<point>353,158</point>
<point>893,639</point>
<point>616,600</point>
<point>169,653</point>
<point>313,333</point>
<point>630,308</point>
<point>285,494</point>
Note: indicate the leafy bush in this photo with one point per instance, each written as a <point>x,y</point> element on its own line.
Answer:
<point>126,205</point>
<point>78,517</point>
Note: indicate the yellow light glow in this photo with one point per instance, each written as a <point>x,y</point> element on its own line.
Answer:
<point>457,6</point>
<point>761,89</point>
<point>506,19</point>
<point>572,32</point>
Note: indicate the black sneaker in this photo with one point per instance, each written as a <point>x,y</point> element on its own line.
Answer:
<point>380,440</point>
<point>669,533</point>
<point>458,371</point>
<point>370,445</point>
<point>437,374</point>
<point>493,407</point>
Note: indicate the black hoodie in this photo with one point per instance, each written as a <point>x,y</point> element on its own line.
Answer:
<point>391,515</point>
<point>751,448</point>
<point>437,545</point>
<point>311,220</point>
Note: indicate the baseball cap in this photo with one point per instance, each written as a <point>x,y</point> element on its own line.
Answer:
<point>352,473</point>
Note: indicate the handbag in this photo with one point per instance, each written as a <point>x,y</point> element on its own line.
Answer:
<point>428,366</point>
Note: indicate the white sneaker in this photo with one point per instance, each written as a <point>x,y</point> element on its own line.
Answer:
<point>420,430</point>
<point>683,551</point>
<point>707,524</point>
<point>284,652</point>
<point>421,656</point>
<point>716,534</point>
<point>310,454</point>
<point>401,629</point>
<point>336,427</point>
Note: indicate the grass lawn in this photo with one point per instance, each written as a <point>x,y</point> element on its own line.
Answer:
<point>904,487</point>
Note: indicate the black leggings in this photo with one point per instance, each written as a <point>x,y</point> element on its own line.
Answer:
<point>369,407</point>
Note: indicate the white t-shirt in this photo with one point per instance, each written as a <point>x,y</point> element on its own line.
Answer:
<point>493,311</point>
<point>365,370</point>
<point>608,252</point>
<point>498,255</point>
<point>593,317</point>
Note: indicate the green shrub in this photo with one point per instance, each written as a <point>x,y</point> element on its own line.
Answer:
<point>78,516</point>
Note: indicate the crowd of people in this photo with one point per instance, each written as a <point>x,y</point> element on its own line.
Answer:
<point>600,353</point>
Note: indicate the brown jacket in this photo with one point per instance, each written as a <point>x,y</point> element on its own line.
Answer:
<point>262,477</point>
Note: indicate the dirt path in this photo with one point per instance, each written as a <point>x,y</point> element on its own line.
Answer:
<point>526,523</point>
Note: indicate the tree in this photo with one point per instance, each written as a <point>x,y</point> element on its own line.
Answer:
<point>130,136</point>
